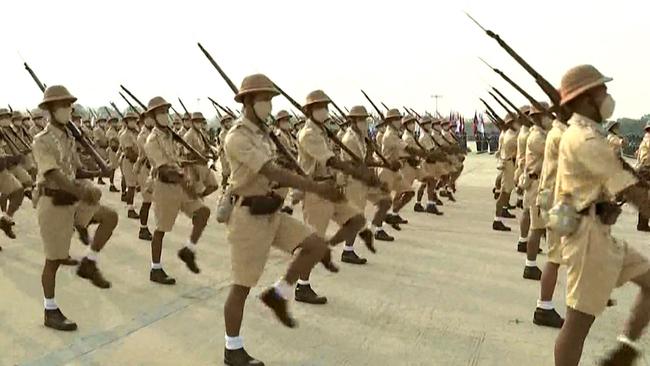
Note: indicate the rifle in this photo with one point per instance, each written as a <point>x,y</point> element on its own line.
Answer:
<point>129,103</point>
<point>11,110</point>
<point>384,105</point>
<point>226,111</point>
<point>92,113</point>
<point>417,118</point>
<point>183,105</point>
<point>502,105</point>
<point>175,111</point>
<point>519,112</point>
<point>534,102</point>
<point>500,123</point>
<point>548,88</point>
<point>175,136</point>
<point>108,112</point>
<point>281,148</point>
<point>117,110</point>
<point>219,115</point>
<point>78,134</point>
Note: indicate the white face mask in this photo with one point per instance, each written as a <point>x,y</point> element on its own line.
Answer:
<point>285,126</point>
<point>363,127</point>
<point>149,122</point>
<point>132,125</point>
<point>547,122</point>
<point>262,109</point>
<point>62,115</point>
<point>198,125</point>
<point>162,119</point>
<point>321,114</point>
<point>607,107</point>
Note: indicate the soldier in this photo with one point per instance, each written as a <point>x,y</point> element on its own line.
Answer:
<point>522,138</point>
<point>356,191</point>
<point>226,123</point>
<point>86,126</point>
<point>112,134</point>
<point>186,122</point>
<point>455,158</point>
<point>11,190</point>
<point>643,166</point>
<point>205,182</point>
<point>429,173</point>
<point>508,152</point>
<point>38,122</point>
<point>129,145</point>
<point>101,141</point>
<point>589,176</point>
<point>614,138</point>
<point>318,159</point>
<point>283,132</point>
<point>249,151</point>
<point>531,171</point>
<point>142,168</point>
<point>177,123</point>
<point>54,152</point>
<point>444,139</point>
<point>171,194</point>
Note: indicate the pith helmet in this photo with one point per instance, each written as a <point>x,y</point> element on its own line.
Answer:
<point>197,116</point>
<point>578,80</point>
<point>408,119</point>
<point>256,83</point>
<point>16,115</point>
<point>317,96</point>
<point>56,93</point>
<point>130,115</point>
<point>611,125</point>
<point>393,113</point>
<point>426,120</point>
<point>76,113</point>
<point>534,110</point>
<point>282,115</point>
<point>37,113</point>
<point>186,117</point>
<point>525,109</point>
<point>226,118</point>
<point>358,111</point>
<point>157,102</point>
<point>4,112</point>
<point>510,117</point>
<point>647,126</point>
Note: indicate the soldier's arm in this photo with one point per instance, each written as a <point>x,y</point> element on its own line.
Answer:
<point>286,178</point>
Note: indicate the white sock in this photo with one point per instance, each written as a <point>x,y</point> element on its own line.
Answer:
<point>191,246</point>
<point>7,217</point>
<point>144,227</point>
<point>92,254</point>
<point>303,282</point>
<point>376,228</point>
<point>156,265</point>
<point>431,203</point>
<point>392,212</point>
<point>627,341</point>
<point>497,218</point>
<point>531,263</point>
<point>131,207</point>
<point>49,304</point>
<point>546,305</point>
<point>283,289</point>
<point>233,343</point>
<point>348,249</point>
<point>523,239</point>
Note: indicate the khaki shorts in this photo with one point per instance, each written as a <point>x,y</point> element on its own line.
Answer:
<point>203,177</point>
<point>113,159</point>
<point>508,176</point>
<point>251,238</point>
<point>554,242</point>
<point>56,227</point>
<point>9,183</point>
<point>356,194</point>
<point>21,174</point>
<point>85,213</point>
<point>168,201</point>
<point>318,212</point>
<point>596,264</point>
<point>128,173</point>
<point>146,185</point>
<point>409,174</point>
<point>391,178</point>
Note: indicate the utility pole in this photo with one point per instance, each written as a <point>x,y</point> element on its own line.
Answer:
<point>436,97</point>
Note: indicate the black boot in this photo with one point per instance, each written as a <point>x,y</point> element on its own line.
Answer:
<point>88,270</point>
<point>239,357</point>
<point>188,256</point>
<point>304,293</point>
<point>112,188</point>
<point>145,234</point>
<point>642,224</point>
<point>438,202</point>
<point>349,256</point>
<point>100,181</point>
<point>418,207</point>
<point>288,210</point>
<point>279,306</point>
<point>159,276</point>
<point>450,196</point>
<point>499,226</point>
<point>623,355</point>
<point>381,235</point>
<point>520,203</point>
<point>506,214</point>
<point>123,197</point>
<point>7,227</point>
<point>532,273</point>
<point>547,318</point>
<point>56,320</point>
<point>432,209</point>
<point>368,239</point>
<point>133,215</point>
<point>522,246</point>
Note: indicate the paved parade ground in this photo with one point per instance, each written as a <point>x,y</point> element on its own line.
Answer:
<point>448,292</point>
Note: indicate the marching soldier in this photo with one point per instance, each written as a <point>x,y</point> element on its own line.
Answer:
<point>171,194</point>
<point>429,173</point>
<point>283,132</point>
<point>186,122</point>
<point>522,138</point>
<point>112,134</point>
<point>226,123</point>
<point>38,122</point>
<point>129,145</point>
<point>589,177</point>
<point>142,168</point>
<point>250,152</point>
<point>54,152</point>
<point>205,182</point>
<point>614,138</point>
<point>11,190</point>
<point>177,123</point>
<point>100,139</point>
<point>643,166</point>
<point>508,152</point>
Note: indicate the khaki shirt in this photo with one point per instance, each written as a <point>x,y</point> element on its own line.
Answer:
<point>160,149</point>
<point>534,157</point>
<point>314,150</point>
<point>287,140</point>
<point>129,139</point>
<point>142,140</point>
<point>100,137</point>
<point>642,153</point>
<point>392,146</point>
<point>439,137</point>
<point>379,137</point>
<point>616,143</point>
<point>55,149</point>
<point>587,168</point>
<point>522,139</point>
<point>551,152</point>
<point>355,143</point>
<point>193,138</point>
<point>508,148</point>
<point>409,138</point>
<point>248,149</point>
<point>112,134</point>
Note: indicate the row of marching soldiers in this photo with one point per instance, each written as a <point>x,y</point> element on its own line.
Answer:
<point>571,180</point>
<point>260,187</point>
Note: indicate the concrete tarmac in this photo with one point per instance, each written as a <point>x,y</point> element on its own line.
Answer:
<point>448,292</point>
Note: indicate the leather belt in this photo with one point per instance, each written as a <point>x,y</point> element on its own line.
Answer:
<point>323,179</point>
<point>49,192</point>
<point>533,176</point>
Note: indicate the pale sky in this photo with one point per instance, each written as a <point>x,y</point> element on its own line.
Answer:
<point>399,52</point>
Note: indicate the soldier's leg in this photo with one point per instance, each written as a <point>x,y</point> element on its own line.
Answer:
<point>382,207</point>
<point>167,199</point>
<point>12,192</point>
<point>571,339</point>
<point>432,197</point>
<point>146,193</point>
<point>524,226</point>
<point>418,199</point>
<point>107,219</point>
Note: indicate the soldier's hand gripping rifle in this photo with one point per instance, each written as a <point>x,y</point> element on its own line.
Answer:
<point>78,134</point>
<point>175,136</point>
<point>206,140</point>
<point>283,150</point>
<point>548,88</point>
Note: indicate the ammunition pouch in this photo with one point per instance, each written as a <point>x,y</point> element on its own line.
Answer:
<point>607,212</point>
<point>263,205</point>
<point>411,161</point>
<point>59,197</point>
<point>169,175</point>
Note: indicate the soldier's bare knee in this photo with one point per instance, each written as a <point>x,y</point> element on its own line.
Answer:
<point>314,244</point>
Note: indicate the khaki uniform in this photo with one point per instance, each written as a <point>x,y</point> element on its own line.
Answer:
<point>522,139</point>
<point>616,143</point>
<point>168,199</point>
<point>142,167</point>
<point>129,140</point>
<point>394,149</point>
<point>202,175</point>
<point>596,261</point>
<point>534,158</point>
<point>248,149</point>
<point>428,170</point>
<point>113,158</point>
<point>642,154</point>
<point>100,139</point>
<point>445,167</point>
<point>409,172</point>
<point>225,166</point>
<point>55,149</point>
<point>356,192</point>
<point>313,154</point>
<point>290,143</point>
<point>508,153</point>
<point>8,182</point>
